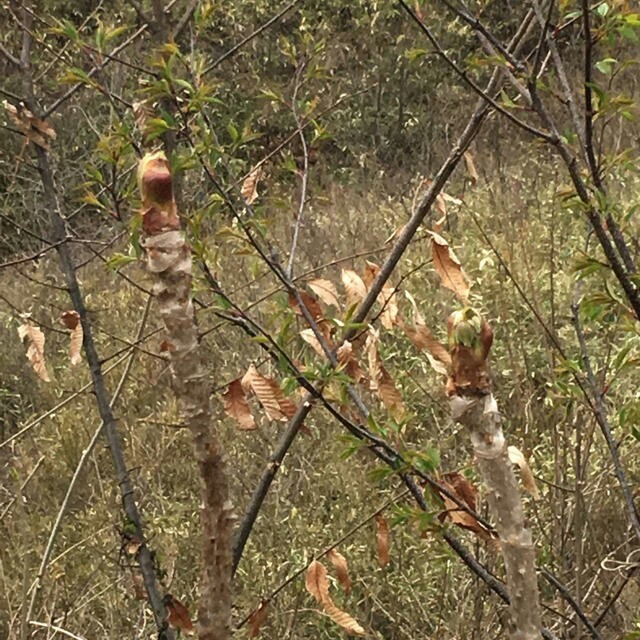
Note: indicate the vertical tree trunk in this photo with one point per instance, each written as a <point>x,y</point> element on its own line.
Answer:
<point>168,259</point>
<point>480,416</point>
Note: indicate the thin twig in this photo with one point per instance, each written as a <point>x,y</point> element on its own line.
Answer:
<point>304,172</point>
<point>59,231</point>
<point>318,556</point>
<point>601,414</point>
<point>37,584</point>
<point>186,17</point>
<point>250,37</point>
<point>22,488</point>
<point>485,95</point>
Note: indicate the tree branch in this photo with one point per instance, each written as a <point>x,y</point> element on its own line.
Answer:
<point>66,262</point>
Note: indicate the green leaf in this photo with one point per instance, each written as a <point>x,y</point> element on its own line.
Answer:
<point>415,54</point>
<point>233,132</point>
<point>118,260</point>
<point>606,65</point>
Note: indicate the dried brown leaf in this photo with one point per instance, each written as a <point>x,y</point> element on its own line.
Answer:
<point>310,338</point>
<point>75,345</point>
<point>387,298</point>
<point>237,407</point>
<point>528,481</point>
<point>276,405</point>
<point>178,615</point>
<point>382,539</point>
<point>348,362</point>
<point>373,357</point>
<point>71,320</point>
<point>317,585</point>
<point>316,582</point>
<point>249,189</point>
<point>40,132</point>
<point>339,563</point>
<point>35,350</point>
<point>342,618</point>
<point>344,353</point>
<point>354,287</point>
<point>389,394</point>
<point>313,307</point>
<point>326,291</point>
<point>422,338</point>
<point>471,168</point>
<point>257,619</point>
<point>462,489</point>
<point>448,267</point>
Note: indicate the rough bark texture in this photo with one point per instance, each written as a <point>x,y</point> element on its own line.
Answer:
<point>479,414</point>
<point>168,259</point>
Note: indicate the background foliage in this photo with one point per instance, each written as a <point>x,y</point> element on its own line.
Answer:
<point>382,111</point>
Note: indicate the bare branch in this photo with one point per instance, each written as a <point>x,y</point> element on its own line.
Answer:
<point>186,17</point>
<point>102,399</point>
<point>601,413</point>
<point>484,94</point>
<point>250,37</point>
<point>78,470</point>
<point>304,172</point>
<point>9,56</point>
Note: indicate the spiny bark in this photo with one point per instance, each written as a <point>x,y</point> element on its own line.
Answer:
<point>168,259</point>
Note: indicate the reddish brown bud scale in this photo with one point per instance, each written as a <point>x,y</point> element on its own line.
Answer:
<point>156,183</point>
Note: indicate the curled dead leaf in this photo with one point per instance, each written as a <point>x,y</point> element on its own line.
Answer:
<point>382,540</point>
<point>373,357</point>
<point>269,394</point>
<point>310,338</point>
<point>422,338</point>
<point>448,267</point>
<point>315,310</point>
<point>257,619</point>
<point>237,407</point>
<point>317,585</point>
<point>348,362</point>
<point>71,320</point>
<point>178,615</point>
<point>390,396</point>
<point>471,168</point>
<point>354,287</point>
<point>339,563</point>
<point>326,291</point>
<point>380,380</point>
<point>387,298</point>
<point>35,350</point>
<point>465,492</point>
<point>528,481</point>
<point>249,189</point>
